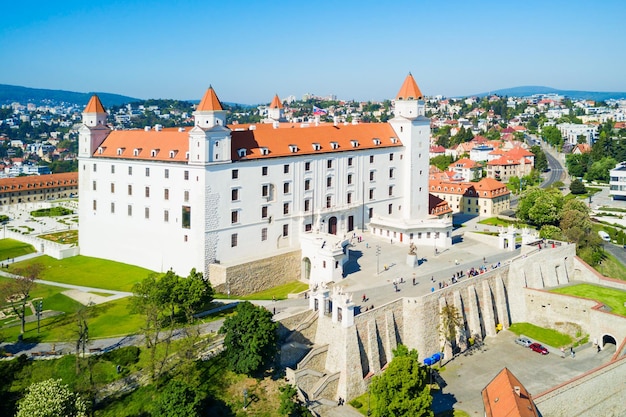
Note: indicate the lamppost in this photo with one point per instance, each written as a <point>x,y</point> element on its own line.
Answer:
<point>38,310</point>
<point>245,397</point>
<point>369,410</point>
<point>377,259</point>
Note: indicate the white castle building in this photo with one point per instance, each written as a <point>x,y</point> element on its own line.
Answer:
<point>222,199</point>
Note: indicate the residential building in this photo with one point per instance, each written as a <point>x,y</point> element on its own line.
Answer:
<point>221,198</point>
<point>617,181</point>
<point>469,169</point>
<point>485,198</point>
<point>505,396</point>
<point>35,188</point>
<point>517,162</point>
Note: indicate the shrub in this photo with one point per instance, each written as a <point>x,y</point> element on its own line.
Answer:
<point>356,404</point>
<point>124,356</point>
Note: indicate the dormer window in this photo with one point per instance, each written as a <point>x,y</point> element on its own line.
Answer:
<point>394,140</point>
<point>376,141</point>
<point>316,146</point>
<point>136,151</point>
<point>173,154</point>
<point>100,150</point>
<point>186,155</point>
<point>241,152</point>
<point>264,151</point>
<point>334,145</point>
<point>120,151</point>
<point>154,152</point>
<point>354,143</point>
<point>293,148</point>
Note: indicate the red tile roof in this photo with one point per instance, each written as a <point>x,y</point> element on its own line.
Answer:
<point>94,105</point>
<point>36,182</point>
<point>437,206</point>
<point>505,396</point>
<point>409,90</point>
<point>210,102</point>
<point>276,104</point>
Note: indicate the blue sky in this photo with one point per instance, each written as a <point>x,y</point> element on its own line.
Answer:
<point>251,50</point>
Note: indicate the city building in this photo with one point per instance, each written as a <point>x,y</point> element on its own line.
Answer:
<point>505,396</point>
<point>617,181</point>
<point>248,204</point>
<point>35,188</point>
<point>485,198</point>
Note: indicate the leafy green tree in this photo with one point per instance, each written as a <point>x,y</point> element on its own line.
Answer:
<point>442,161</point>
<point>193,293</point>
<point>251,338</point>
<point>51,398</point>
<point>540,207</point>
<point>577,164</point>
<point>402,389</point>
<point>577,187</point>
<point>577,227</point>
<point>449,321</point>
<point>289,404</point>
<point>552,135</point>
<point>600,170</point>
<point>541,162</point>
<point>17,291</point>
<point>177,399</point>
<point>550,232</point>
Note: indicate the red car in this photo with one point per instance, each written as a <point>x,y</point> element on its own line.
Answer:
<point>536,347</point>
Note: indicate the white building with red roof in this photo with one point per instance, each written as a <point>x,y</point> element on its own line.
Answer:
<point>485,198</point>
<point>245,201</point>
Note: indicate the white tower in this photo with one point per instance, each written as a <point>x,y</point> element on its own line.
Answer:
<point>94,129</point>
<point>413,129</point>
<point>276,112</point>
<point>209,140</point>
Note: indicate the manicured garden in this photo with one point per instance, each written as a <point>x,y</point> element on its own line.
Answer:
<point>51,212</point>
<point>66,237</point>
<point>611,297</point>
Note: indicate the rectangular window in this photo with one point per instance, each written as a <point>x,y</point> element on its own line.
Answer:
<point>167,173</point>
<point>94,167</point>
<point>285,230</point>
<point>349,179</point>
<point>265,191</point>
<point>186,217</point>
<point>95,205</point>
<point>390,209</point>
<point>350,161</point>
<point>307,166</point>
<point>147,171</point>
<point>93,184</point>
<point>329,201</point>
<point>234,216</point>
<point>390,172</point>
<point>234,194</point>
<point>329,181</point>
<point>166,194</point>
<point>130,170</point>
<point>329,163</point>
<point>371,159</point>
<point>370,212</point>
<point>130,189</point>
<point>390,190</point>
<point>391,157</point>
<point>112,207</point>
<point>112,169</point>
<point>147,212</point>
<point>186,175</point>
<point>264,212</point>
<point>112,188</point>
<point>233,240</point>
<point>130,210</point>
<point>263,171</point>
<point>371,175</point>
<point>286,169</point>
<point>307,205</point>
<point>349,198</point>
<point>264,233</point>
<point>286,208</point>
<point>166,216</point>
<point>286,186</point>
<point>308,227</point>
<point>235,174</point>
<point>186,196</point>
<point>371,193</point>
<point>307,185</point>
<point>147,192</point>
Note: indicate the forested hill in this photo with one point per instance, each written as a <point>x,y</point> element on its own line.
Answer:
<point>527,91</point>
<point>23,95</point>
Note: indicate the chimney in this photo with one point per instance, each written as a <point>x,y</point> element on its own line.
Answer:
<point>517,390</point>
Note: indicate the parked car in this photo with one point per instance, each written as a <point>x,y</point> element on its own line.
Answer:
<point>523,341</point>
<point>536,347</point>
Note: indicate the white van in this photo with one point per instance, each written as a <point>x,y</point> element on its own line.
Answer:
<point>604,236</point>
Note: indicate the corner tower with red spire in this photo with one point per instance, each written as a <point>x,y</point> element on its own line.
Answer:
<point>94,129</point>
<point>275,111</point>
<point>209,140</point>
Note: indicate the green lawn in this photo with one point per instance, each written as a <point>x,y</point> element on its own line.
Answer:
<point>10,248</point>
<point>280,292</point>
<point>610,297</point>
<point>612,267</point>
<point>92,272</point>
<point>548,336</point>
<point>495,221</point>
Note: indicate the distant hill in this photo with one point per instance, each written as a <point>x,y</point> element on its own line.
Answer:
<point>573,94</point>
<point>13,93</point>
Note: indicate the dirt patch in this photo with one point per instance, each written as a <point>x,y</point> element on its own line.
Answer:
<point>85,298</point>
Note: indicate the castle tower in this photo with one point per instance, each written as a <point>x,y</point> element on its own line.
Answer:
<point>413,129</point>
<point>209,140</point>
<point>94,129</point>
<point>275,111</point>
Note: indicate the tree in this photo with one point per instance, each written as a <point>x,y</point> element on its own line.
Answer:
<point>289,404</point>
<point>193,292</point>
<point>577,164</point>
<point>51,398</point>
<point>541,162</point>
<point>177,399</point>
<point>18,290</point>
<point>449,320</point>
<point>552,135</point>
<point>577,187</point>
<point>600,170</point>
<point>251,338</point>
<point>442,161</point>
<point>550,232</point>
<point>402,389</point>
<point>539,207</point>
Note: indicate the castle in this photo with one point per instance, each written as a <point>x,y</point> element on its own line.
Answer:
<point>256,205</point>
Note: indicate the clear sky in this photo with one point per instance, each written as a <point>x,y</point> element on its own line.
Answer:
<point>251,50</point>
